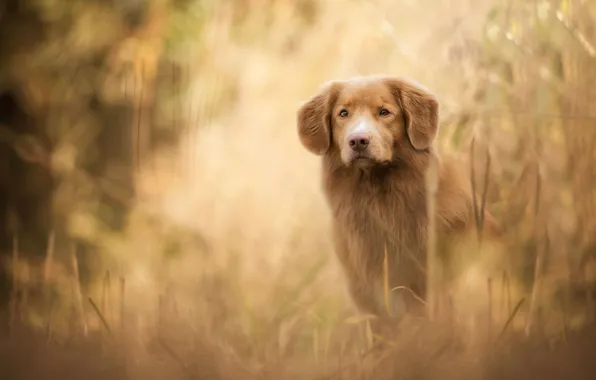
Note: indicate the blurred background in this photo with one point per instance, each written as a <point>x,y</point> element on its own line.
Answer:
<point>160,219</point>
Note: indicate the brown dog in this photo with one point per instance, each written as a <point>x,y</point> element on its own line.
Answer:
<point>375,135</point>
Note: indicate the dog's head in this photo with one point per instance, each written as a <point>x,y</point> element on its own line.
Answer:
<point>369,120</point>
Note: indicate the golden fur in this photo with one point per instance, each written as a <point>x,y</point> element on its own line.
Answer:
<point>376,192</point>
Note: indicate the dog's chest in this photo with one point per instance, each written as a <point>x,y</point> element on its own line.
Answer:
<point>372,220</point>
<point>383,219</point>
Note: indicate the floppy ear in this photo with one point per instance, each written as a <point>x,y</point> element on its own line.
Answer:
<point>314,120</point>
<point>421,112</point>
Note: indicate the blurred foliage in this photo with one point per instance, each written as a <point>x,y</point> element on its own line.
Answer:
<point>149,147</point>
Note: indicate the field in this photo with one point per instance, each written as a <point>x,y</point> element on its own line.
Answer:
<point>164,222</point>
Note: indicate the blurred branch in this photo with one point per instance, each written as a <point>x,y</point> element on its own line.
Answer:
<point>578,35</point>
<point>506,112</point>
<point>30,150</point>
<point>27,147</point>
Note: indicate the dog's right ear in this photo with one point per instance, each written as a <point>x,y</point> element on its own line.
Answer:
<point>314,119</point>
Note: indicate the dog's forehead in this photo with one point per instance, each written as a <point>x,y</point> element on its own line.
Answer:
<point>365,90</point>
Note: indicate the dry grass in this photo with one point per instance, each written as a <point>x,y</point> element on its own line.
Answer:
<point>224,268</point>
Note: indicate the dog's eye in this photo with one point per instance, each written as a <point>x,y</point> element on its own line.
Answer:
<point>384,112</point>
<point>343,113</point>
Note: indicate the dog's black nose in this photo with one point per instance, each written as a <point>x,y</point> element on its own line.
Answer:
<point>358,142</point>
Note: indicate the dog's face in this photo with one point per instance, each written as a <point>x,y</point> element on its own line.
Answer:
<point>368,120</point>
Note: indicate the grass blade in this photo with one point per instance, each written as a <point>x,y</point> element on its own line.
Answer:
<point>511,316</point>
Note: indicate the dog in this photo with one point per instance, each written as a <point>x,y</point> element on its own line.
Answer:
<point>375,135</point>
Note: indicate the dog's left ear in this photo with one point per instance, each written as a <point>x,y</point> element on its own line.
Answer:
<point>421,112</point>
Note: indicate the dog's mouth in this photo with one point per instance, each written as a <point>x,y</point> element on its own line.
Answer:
<point>362,160</point>
<point>366,161</point>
